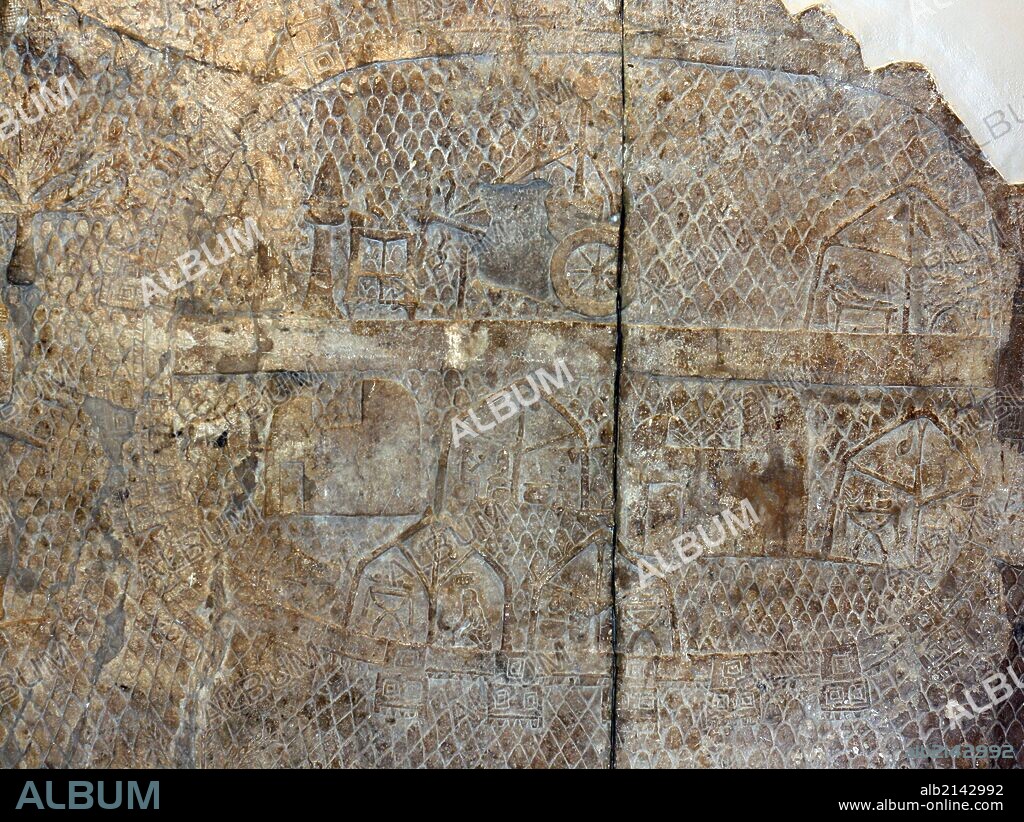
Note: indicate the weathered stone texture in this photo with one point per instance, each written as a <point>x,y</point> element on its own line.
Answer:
<point>237,525</point>
<point>818,283</point>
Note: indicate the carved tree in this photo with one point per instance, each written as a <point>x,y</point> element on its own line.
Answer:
<point>64,158</point>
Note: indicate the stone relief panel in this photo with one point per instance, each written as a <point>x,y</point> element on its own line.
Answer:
<point>873,584</point>
<point>437,604</point>
<point>450,188</point>
<point>248,488</point>
<point>286,479</point>
<point>796,230</point>
<point>890,235</point>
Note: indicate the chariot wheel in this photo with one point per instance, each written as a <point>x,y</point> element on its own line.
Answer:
<point>584,270</point>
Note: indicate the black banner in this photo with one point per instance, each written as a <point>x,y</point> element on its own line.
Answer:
<point>784,793</point>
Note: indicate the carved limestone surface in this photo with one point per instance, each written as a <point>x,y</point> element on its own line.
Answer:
<point>529,383</point>
<point>817,315</point>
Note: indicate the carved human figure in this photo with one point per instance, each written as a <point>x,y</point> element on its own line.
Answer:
<point>470,604</point>
<point>895,496</point>
<point>391,602</point>
<point>883,273</point>
<point>472,627</point>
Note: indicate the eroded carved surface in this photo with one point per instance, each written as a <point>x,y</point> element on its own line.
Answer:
<point>339,428</point>
<point>797,239</point>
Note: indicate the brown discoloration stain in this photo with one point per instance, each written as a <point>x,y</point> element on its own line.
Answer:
<point>777,494</point>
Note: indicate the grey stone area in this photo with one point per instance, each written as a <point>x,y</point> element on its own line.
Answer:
<point>241,521</point>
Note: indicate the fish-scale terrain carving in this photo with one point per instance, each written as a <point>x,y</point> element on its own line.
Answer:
<point>830,228</point>
<point>344,493</point>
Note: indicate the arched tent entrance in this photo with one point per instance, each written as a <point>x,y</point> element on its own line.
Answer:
<point>904,266</point>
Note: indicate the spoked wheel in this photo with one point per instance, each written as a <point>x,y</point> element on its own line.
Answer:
<point>583,271</point>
